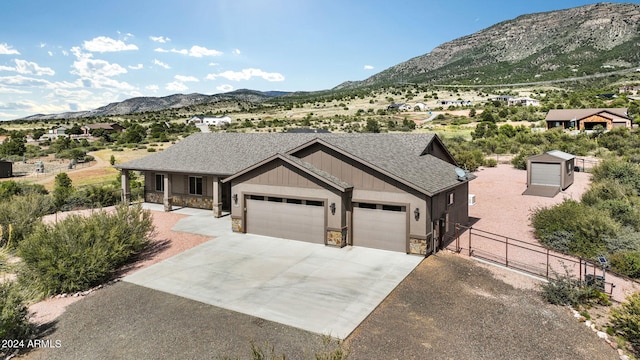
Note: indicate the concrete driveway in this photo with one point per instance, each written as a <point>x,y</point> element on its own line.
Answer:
<point>308,286</point>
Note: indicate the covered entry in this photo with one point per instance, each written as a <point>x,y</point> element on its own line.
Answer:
<point>287,218</point>
<point>380,226</point>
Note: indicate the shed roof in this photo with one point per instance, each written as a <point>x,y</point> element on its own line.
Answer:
<point>552,155</point>
<point>401,156</point>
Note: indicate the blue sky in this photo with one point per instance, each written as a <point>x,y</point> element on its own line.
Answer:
<point>72,55</point>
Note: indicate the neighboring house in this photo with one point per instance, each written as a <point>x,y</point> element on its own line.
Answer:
<point>454,102</point>
<point>6,169</point>
<point>549,173</point>
<point>587,119</point>
<point>523,101</point>
<point>503,98</point>
<point>109,127</point>
<point>420,106</point>
<point>217,121</point>
<point>398,192</point>
<point>399,107</point>
<point>633,90</point>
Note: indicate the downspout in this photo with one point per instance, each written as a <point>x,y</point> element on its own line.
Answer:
<point>433,238</point>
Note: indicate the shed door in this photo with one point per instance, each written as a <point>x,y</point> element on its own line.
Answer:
<point>380,226</point>
<point>545,174</point>
<point>286,218</point>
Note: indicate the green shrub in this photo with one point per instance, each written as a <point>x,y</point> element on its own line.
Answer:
<point>490,162</point>
<point>626,319</point>
<point>151,149</point>
<point>626,238</point>
<point>19,216</point>
<point>566,289</point>
<point>587,225</point>
<point>14,316</point>
<point>78,252</point>
<point>626,263</point>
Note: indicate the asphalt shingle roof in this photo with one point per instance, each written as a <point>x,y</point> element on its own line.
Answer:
<point>398,155</point>
<point>569,114</point>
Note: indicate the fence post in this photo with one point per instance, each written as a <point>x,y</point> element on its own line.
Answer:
<point>506,252</point>
<point>547,263</point>
<point>470,229</point>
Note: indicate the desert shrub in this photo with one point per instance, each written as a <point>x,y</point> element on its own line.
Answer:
<point>587,225</point>
<point>607,189</point>
<point>491,162</point>
<point>100,196</point>
<point>19,216</point>
<point>11,188</point>
<point>626,263</point>
<point>626,238</point>
<point>62,189</point>
<point>14,316</point>
<point>79,252</point>
<point>559,240</point>
<point>624,172</point>
<point>470,160</point>
<point>566,289</point>
<point>626,319</point>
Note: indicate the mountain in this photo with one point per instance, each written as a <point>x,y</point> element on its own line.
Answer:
<point>580,41</point>
<point>143,104</point>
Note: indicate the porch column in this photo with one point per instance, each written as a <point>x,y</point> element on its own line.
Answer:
<point>126,189</point>
<point>166,197</point>
<point>217,197</point>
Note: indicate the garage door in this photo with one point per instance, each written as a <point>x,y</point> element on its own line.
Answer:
<point>380,226</point>
<point>545,174</point>
<point>294,219</point>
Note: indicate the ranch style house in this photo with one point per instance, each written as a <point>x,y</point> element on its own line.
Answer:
<point>397,192</point>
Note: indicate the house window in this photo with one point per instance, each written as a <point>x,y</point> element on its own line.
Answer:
<point>450,198</point>
<point>159,182</point>
<point>195,185</point>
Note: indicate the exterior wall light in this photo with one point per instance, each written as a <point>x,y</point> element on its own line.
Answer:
<point>416,213</point>
<point>235,199</point>
<point>333,208</point>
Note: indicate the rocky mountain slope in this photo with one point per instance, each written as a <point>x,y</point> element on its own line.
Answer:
<point>143,104</point>
<point>579,41</point>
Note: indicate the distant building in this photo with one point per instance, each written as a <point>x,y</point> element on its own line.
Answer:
<point>523,101</point>
<point>454,102</point>
<point>6,169</point>
<point>399,107</point>
<point>587,119</point>
<point>109,127</point>
<point>217,121</point>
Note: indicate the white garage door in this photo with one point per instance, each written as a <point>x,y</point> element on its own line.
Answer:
<point>286,218</point>
<point>380,226</point>
<point>545,174</point>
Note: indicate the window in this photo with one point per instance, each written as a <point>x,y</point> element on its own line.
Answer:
<point>294,201</point>
<point>450,198</point>
<point>195,185</point>
<point>392,208</point>
<point>159,182</point>
<point>256,197</point>
<point>314,203</point>
<point>367,206</point>
<point>274,199</point>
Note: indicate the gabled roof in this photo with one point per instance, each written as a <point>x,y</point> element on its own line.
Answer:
<point>302,165</point>
<point>577,114</point>
<point>401,156</point>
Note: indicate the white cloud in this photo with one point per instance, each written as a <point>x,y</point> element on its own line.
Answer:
<point>105,44</point>
<point>50,53</point>
<point>183,78</point>
<point>161,64</point>
<point>31,68</point>
<point>152,87</point>
<point>160,39</point>
<point>368,67</point>
<point>8,50</point>
<point>5,90</point>
<point>19,80</point>
<point>42,45</point>
<point>213,64</point>
<point>195,51</point>
<point>135,67</point>
<point>224,88</point>
<point>236,51</point>
<point>247,74</point>
<point>97,73</point>
<point>176,86</point>
<point>199,51</point>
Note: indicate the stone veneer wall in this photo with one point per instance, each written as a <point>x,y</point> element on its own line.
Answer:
<point>337,238</point>
<point>236,224</point>
<point>417,246</point>
<point>197,202</point>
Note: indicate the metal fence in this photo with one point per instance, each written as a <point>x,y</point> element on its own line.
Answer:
<point>536,260</point>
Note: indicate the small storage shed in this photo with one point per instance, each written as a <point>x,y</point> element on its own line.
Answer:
<point>549,173</point>
<point>6,169</point>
